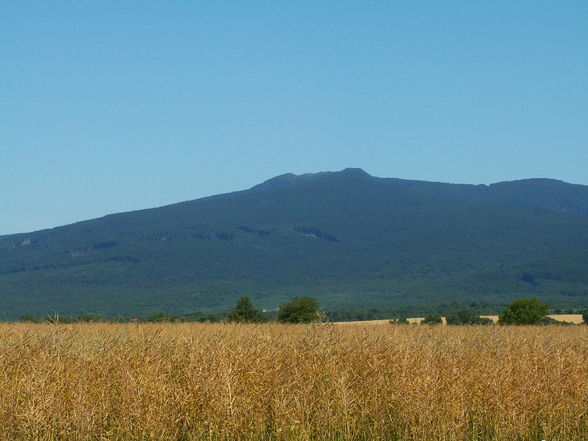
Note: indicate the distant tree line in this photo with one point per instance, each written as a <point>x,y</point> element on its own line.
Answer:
<point>524,311</point>
<point>299,310</point>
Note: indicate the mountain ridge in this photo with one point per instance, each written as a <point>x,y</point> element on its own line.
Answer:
<point>290,179</point>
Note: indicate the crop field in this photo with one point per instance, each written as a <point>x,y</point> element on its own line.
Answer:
<point>292,382</point>
<point>573,319</point>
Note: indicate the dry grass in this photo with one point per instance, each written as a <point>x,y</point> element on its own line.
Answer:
<point>279,382</point>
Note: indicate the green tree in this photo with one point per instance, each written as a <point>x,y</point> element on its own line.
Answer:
<point>432,319</point>
<point>528,311</point>
<point>467,317</point>
<point>245,312</point>
<point>299,310</point>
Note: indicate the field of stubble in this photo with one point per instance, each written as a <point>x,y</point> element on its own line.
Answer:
<point>292,382</point>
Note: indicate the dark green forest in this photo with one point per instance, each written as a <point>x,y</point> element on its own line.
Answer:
<point>357,243</point>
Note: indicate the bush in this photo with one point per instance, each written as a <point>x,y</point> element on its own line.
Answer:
<point>299,310</point>
<point>525,312</point>
<point>467,317</point>
<point>57,319</point>
<point>432,319</point>
<point>398,321</point>
<point>91,318</point>
<point>162,317</point>
<point>245,312</point>
<point>28,318</point>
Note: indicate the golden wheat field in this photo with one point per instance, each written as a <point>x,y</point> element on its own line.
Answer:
<point>292,382</point>
<point>573,319</point>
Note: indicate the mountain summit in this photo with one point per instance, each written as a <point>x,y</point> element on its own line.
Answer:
<point>290,179</point>
<point>350,239</point>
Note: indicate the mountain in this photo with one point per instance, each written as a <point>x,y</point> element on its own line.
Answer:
<point>350,239</point>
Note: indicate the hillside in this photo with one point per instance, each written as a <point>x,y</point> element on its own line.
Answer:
<point>350,239</point>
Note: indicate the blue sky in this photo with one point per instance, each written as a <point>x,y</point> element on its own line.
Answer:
<point>111,106</point>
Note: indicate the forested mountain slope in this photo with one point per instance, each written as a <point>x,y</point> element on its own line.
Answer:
<point>347,238</point>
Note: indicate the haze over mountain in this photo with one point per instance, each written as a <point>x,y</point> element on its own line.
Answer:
<point>347,238</point>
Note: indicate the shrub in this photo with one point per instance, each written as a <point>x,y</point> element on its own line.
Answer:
<point>467,317</point>
<point>432,319</point>
<point>91,318</point>
<point>398,321</point>
<point>28,318</point>
<point>57,319</point>
<point>162,317</point>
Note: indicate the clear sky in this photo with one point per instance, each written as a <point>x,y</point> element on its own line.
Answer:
<point>111,106</point>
